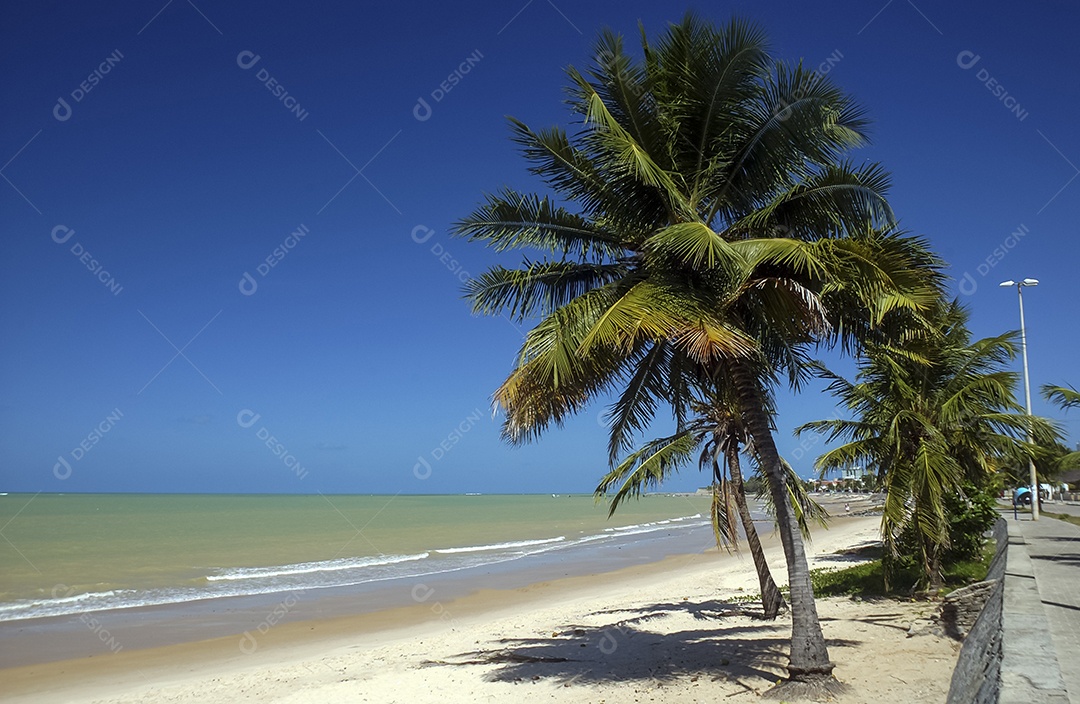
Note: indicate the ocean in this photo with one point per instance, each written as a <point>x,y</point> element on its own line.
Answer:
<point>70,554</point>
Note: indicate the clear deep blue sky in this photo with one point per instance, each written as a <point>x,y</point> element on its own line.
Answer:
<point>179,171</point>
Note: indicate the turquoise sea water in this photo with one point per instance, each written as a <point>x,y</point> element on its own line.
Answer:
<point>72,553</point>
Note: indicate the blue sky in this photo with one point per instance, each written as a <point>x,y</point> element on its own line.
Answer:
<point>149,165</point>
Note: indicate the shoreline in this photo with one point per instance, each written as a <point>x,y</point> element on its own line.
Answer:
<point>286,544</point>
<point>197,671</point>
<point>286,642</point>
<point>106,632</point>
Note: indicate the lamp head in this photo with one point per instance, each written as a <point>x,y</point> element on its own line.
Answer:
<point>1010,282</point>
<point>1030,282</point>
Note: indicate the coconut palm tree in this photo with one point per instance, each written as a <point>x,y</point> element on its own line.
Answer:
<point>1065,397</point>
<point>703,218</point>
<point>717,436</point>
<point>931,417</point>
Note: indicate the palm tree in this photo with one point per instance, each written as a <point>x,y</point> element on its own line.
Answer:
<point>718,435</point>
<point>931,417</point>
<point>1065,397</point>
<point>716,228</point>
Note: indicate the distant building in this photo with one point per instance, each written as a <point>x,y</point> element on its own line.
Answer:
<point>853,472</point>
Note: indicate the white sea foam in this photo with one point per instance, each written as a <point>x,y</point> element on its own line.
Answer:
<point>502,546</point>
<point>80,603</point>
<point>75,602</point>
<point>639,528</point>
<point>340,572</point>
<point>345,563</point>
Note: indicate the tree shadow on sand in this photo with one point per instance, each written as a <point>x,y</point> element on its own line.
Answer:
<point>751,654</point>
<point>898,621</point>
<point>712,610</point>
<point>868,550</point>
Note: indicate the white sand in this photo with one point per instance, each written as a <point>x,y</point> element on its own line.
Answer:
<point>640,635</point>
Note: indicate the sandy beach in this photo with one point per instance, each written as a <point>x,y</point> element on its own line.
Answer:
<point>667,631</point>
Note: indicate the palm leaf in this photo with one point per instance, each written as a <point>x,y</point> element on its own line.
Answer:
<point>1066,397</point>
<point>646,468</point>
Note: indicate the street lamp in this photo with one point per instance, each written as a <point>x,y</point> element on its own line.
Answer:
<point>1027,388</point>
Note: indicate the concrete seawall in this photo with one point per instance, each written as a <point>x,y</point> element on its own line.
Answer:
<point>1009,656</point>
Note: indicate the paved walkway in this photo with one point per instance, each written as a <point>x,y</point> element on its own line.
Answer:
<point>1054,548</point>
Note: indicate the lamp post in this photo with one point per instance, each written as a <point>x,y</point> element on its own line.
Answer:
<point>1027,388</point>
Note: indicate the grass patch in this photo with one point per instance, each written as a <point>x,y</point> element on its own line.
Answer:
<point>868,579</point>
<point>861,580</point>
<point>969,571</point>
<point>1068,518</point>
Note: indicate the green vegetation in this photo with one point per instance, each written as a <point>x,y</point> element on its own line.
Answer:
<point>869,579</point>
<point>935,416</point>
<point>1051,459</point>
<point>1067,517</point>
<point>704,232</point>
<point>972,512</point>
<point>1065,397</point>
<point>716,434</point>
<point>1060,458</point>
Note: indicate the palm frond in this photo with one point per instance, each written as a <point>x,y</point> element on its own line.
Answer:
<point>512,220</point>
<point>646,468</point>
<point>1065,397</point>
<point>538,289</point>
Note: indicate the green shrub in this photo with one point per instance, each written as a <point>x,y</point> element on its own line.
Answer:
<point>868,579</point>
<point>970,518</point>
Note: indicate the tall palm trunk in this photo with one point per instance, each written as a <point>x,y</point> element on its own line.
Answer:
<point>772,601</point>
<point>809,658</point>
<point>936,580</point>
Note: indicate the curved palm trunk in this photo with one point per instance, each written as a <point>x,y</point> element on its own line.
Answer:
<point>772,601</point>
<point>809,658</point>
